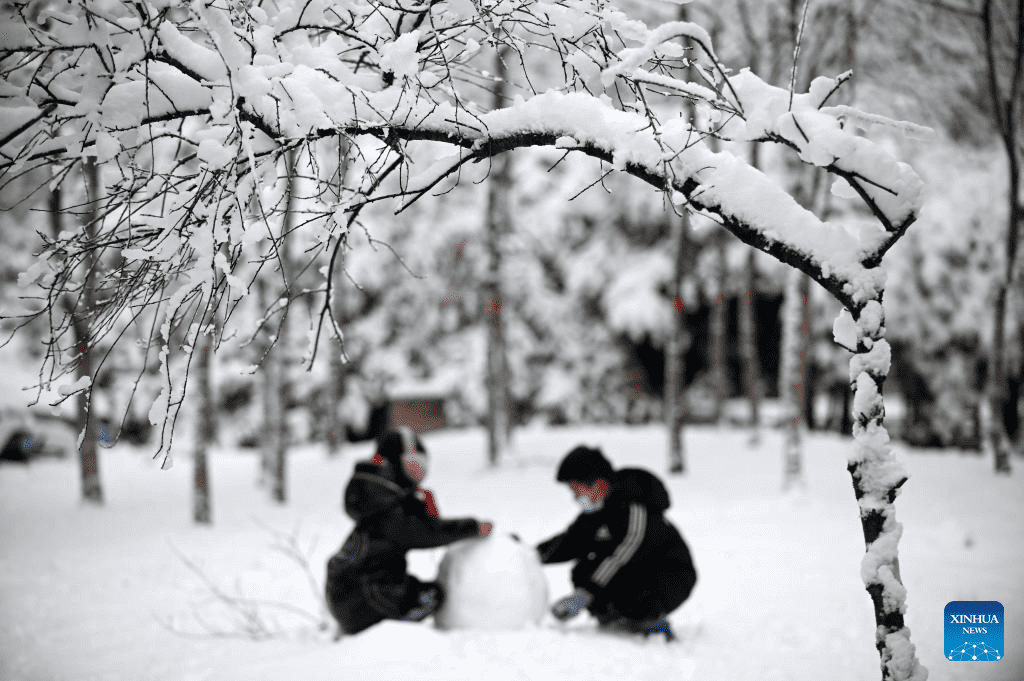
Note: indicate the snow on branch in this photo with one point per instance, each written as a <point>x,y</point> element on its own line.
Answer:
<point>191,109</point>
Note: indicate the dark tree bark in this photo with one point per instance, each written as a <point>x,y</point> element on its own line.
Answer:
<point>1006,104</point>
<point>719,341</point>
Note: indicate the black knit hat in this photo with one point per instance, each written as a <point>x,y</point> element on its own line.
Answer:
<point>392,443</point>
<point>585,465</point>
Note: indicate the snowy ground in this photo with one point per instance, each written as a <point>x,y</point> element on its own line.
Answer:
<point>107,593</point>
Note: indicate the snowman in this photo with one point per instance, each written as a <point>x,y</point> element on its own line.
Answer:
<point>493,583</point>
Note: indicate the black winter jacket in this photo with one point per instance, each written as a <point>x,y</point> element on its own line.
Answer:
<point>628,554</point>
<point>368,573</point>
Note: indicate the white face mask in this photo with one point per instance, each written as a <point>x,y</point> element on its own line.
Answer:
<point>589,505</point>
<point>415,465</point>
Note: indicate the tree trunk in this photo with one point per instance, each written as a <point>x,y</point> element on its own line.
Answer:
<point>1005,105</point>
<point>1015,384</point>
<point>719,373</point>
<point>499,191</point>
<point>748,332</point>
<point>748,347</point>
<point>88,450</point>
<point>796,331</point>
<point>675,405</point>
<point>276,363</point>
<point>202,501</point>
<point>335,431</point>
<point>276,439</point>
<point>997,439</point>
<point>675,352</point>
<point>877,478</point>
<point>336,427</point>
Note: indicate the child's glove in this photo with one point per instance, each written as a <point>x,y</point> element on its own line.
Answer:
<point>571,605</point>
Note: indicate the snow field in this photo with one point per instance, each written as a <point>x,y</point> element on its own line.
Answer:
<point>95,593</point>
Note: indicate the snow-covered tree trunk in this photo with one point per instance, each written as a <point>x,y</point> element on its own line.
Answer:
<point>675,350</point>
<point>877,479</point>
<point>498,223</point>
<point>202,498</point>
<point>796,331</point>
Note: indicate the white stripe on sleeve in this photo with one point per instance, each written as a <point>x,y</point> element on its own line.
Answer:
<point>624,552</point>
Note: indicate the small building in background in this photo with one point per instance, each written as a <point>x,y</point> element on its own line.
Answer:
<point>421,405</point>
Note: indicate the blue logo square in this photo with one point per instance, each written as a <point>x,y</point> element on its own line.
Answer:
<point>974,631</point>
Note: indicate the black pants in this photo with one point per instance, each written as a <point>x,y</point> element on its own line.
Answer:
<point>644,598</point>
<point>358,601</point>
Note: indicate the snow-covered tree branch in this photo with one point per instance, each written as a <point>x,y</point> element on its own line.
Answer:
<point>189,109</point>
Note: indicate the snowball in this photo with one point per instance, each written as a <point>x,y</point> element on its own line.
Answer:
<point>492,583</point>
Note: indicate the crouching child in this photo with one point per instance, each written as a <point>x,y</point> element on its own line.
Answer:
<point>367,579</point>
<point>632,566</point>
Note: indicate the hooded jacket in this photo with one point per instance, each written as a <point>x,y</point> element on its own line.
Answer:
<point>627,553</point>
<point>367,579</point>
<point>391,517</point>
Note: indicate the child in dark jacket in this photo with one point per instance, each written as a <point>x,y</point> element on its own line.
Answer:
<point>632,565</point>
<point>367,579</point>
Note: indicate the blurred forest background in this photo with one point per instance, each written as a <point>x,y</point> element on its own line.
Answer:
<point>589,284</point>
